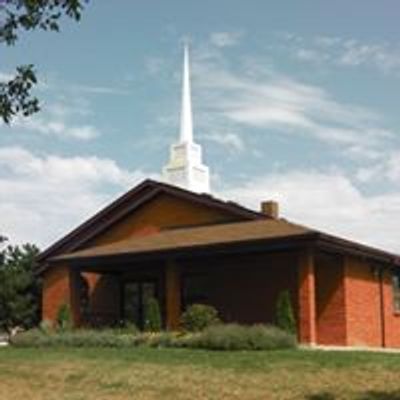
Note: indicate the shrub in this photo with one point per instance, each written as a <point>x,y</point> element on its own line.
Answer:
<point>64,318</point>
<point>152,316</point>
<point>126,328</point>
<point>284,313</point>
<point>240,337</point>
<point>46,326</point>
<point>198,317</point>
<point>159,339</point>
<point>77,338</point>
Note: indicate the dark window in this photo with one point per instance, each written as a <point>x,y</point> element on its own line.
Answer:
<point>195,289</point>
<point>136,295</point>
<point>396,290</point>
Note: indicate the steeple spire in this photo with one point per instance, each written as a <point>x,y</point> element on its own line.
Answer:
<point>185,167</point>
<point>186,135</point>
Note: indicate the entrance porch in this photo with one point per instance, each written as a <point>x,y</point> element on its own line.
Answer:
<point>243,287</point>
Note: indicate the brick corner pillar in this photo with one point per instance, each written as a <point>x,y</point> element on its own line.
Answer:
<point>307,333</point>
<point>60,286</point>
<point>172,295</point>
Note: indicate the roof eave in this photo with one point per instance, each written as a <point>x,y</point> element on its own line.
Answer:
<point>227,247</point>
<point>334,243</point>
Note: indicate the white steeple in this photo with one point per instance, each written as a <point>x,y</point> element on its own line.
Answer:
<point>185,167</point>
<point>186,135</point>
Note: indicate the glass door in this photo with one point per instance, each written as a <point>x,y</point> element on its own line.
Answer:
<point>136,295</point>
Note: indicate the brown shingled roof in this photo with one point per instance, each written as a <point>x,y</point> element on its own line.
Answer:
<point>230,234</point>
<point>128,202</point>
<point>187,238</point>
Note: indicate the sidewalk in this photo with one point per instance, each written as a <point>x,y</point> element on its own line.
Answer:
<point>352,348</point>
<point>3,339</point>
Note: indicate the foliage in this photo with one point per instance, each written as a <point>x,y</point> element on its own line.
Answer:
<point>241,337</point>
<point>19,287</point>
<point>216,337</point>
<point>15,94</point>
<point>126,328</point>
<point>152,315</point>
<point>64,318</point>
<point>284,313</point>
<point>76,338</point>
<point>28,15</point>
<point>46,327</point>
<point>198,317</point>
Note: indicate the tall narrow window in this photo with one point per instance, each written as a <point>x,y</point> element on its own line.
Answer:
<point>396,290</point>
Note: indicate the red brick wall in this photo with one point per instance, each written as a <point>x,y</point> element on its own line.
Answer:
<point>59,287</point>
<point>362,304</point>
<point>330,299</point>
<point>392,318</point>
<point>162,212</point>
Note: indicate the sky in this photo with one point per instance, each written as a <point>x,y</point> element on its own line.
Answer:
<point>293,101</point>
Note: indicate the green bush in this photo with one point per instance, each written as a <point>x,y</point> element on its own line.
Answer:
<point>77,338</point>
<point>159,339</point>
<point>152,316</point>
<point>240,337</point>
<point>284,313</point>
<point>197,317</point>
<point>46,326</point>
<point>64,318</point>
<point>127,328</point>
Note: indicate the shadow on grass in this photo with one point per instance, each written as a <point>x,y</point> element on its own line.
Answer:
<point>371,395</point>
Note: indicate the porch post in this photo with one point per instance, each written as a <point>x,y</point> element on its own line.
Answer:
<point>60,286</point>
<point>172,295</point>
<point>307,332</point>
<point>75,297</point>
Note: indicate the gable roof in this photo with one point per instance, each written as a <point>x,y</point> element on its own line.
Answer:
<point>131,200</point>
<point>225,235</point>
<point>188,238</point>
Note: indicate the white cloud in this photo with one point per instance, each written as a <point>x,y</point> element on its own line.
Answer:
<point>5,76</point>
<point>230,140</point>
<point>270,101</point>
<point>329,202</point>
<point>384,56</point>
<point>97,89</point>
<point>225,39</point>
<point>387,169</point>
<point>55,127</point>
<point>44,196</point>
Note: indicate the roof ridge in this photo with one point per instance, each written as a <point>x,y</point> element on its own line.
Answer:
<point>81,234</point>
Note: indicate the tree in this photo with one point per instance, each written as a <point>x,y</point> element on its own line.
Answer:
<point>19,287</point>
<point>284,313</point>
<point>152,315</point>
<point>27,15</point>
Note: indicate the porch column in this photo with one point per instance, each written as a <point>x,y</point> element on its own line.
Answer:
<point>172,295</point>
<point>75,297</point>
<point>307,332</point>
<point>60,286</point>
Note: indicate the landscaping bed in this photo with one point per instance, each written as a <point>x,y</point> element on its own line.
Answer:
<point>216,337</point>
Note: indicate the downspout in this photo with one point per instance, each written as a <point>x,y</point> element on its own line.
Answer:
<point>382,307</point>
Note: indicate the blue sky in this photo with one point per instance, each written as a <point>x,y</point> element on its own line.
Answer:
<point>296,101</point>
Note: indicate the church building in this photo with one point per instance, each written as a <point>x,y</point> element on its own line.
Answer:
<point>176,242</point>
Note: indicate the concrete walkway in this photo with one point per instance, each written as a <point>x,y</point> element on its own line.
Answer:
<point>352,348</point>
<point>3,340</point>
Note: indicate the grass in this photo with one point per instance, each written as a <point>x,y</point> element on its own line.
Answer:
<point>145,373</point>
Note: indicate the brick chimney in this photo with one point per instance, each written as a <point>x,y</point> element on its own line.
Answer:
<point>270,208</point>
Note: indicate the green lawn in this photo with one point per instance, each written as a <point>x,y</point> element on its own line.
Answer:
<point>144,373</point>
